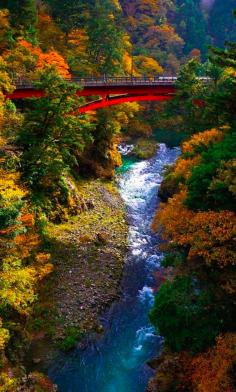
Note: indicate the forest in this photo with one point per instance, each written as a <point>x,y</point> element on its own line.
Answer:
<point>57,182</point>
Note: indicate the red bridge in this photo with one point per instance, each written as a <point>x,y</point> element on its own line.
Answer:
<point>111,91</point>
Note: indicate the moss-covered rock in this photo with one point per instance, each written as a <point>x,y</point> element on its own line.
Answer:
<point>101,163</point>
<point>145,148</point>
<point>168,188</point>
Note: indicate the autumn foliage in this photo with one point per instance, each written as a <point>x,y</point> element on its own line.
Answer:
<point>45,148</point>
<point>48,59</point>
<point>209,235</point>
<point>201,141</point>
<point>194,308</point>
<point>213,370</point>
<point>23,268</point>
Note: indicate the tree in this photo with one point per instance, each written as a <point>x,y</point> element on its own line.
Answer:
<point>23,16</point>
<point>207,236</point>
<point>223,99</point>
<point>152,33</point>
<point>190,25</point>
<point>69,14</point>
<point>106,46</point>
<point>4,29</point>
<point>50,36</point>
<point>53,135</point>
<point>187,316</point>
<point>214,370</point>
<point>21,268</point>
<point>221,25</point>
<point>207,187</point>
<point>148,66</point>
<point>189,90</point>
<point>25,60</point>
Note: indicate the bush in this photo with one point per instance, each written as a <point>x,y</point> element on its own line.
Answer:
<point>8,215</point>
<point>187,317</point>
<point>145,149</point>
<point>72,336</point>
<point>211,184</point>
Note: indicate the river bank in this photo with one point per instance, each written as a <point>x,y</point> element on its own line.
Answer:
<point>88,254</point>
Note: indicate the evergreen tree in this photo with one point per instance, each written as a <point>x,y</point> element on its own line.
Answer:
<point>52,135</point>
<point>69,13</point>
<point>224,98</point>
<point>23,15</point>
<point>211,184</point>
<point>190,25</point>
<point>187,316</point>
<point>105,38</point>
<point>221,25</point>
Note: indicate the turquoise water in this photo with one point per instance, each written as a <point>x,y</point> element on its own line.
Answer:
<point>170,137</point>
<point>127,163</point>
<point>116,361</point>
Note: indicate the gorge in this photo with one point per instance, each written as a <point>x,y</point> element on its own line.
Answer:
<point>116,360</point>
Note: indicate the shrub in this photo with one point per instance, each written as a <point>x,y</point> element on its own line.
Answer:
<point>188,317</point>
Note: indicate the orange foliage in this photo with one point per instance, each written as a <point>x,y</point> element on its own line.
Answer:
<point>209,235</point>
<point>27,220</point>
<point>183,167</point>
<point>42,257</point>
<point>22,268</point>
<point>44,60</point>
<point>211,370</point>
<point>195,54</point>
<point>54,59</point>
<point>26,243</point>
<point>165,34</point>
<point>43,270</point>
<point>202,139</point>
<point>50,35</point>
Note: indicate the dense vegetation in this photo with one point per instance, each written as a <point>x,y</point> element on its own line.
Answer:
<point>194,309</point>
<point>45,149</point>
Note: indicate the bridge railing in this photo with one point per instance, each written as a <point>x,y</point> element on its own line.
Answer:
<point>119,81</point>
<point>113,81</point>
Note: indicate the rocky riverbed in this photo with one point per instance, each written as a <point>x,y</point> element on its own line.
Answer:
<point>88,254</point>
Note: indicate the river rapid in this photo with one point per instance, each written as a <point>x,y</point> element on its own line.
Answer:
<point>116,360</point>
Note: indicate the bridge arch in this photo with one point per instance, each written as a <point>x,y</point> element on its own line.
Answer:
<point>119,99</point>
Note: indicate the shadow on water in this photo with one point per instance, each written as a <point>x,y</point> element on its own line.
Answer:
<point>116,361</point>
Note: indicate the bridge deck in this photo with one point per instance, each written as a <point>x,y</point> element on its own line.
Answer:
<point>108,81</point>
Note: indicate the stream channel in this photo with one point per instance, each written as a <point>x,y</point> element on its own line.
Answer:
<point>116,360</point>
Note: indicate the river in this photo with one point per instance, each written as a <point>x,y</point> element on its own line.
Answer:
<point>116,361</point>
